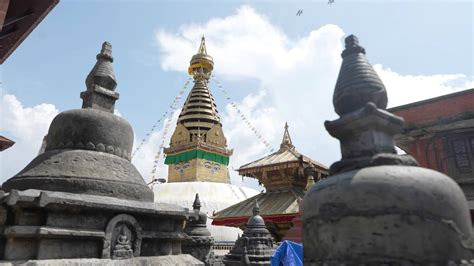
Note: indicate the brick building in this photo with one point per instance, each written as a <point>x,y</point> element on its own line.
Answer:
<point>439,133</point>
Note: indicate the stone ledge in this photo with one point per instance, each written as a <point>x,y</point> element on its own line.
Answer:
<point>184,259</point>
<point>35,231</point>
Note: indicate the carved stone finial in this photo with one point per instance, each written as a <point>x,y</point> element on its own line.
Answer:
<point>197,203</point>
<point>101,83</point>
<point>256,209</point>
<point>106,52</point>
<point>357,83</point>
<point>352,46</point>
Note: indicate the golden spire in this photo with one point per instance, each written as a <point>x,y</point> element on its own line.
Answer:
<point>199,113</point>
<point>286,142</point>
<point>202,46</point>
<point>198,148</point>
<point>201,64</point>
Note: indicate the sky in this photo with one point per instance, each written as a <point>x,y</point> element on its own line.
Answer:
<point>275,66</point>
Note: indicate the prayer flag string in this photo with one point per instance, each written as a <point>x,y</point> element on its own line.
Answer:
<point>166,127</point>
<point>242,115</point>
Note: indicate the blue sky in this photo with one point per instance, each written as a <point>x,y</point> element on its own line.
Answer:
<point>416,43</point>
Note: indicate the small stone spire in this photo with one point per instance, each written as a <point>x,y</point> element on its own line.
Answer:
<point>197,203</point>
<point>101,83</point>
<point>357,83</point>
<point>256,209</point>
<point>365,129</point>
<point>256,241</point>
<point>202,46</point>
<point>102,73</point>
<point>286,142</point>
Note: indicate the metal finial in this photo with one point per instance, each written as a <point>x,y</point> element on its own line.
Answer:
<point>286,142</point>
<point>197,203</point>
<point>202,46</point>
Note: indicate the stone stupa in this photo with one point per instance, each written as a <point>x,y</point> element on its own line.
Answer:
<point>377,207</point>
<point>82,198</point>
<point>255,246</point>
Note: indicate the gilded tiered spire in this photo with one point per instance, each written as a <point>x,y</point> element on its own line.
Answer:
<point>199,113</point>
<point>197,149</point>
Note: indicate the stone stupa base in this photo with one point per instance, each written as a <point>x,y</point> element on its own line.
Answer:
<point>45,225</point>
<point>183,259</point>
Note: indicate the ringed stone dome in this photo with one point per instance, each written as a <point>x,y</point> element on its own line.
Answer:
<point>88,150</point>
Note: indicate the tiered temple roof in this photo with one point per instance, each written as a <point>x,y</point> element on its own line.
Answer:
<point>285,175</point>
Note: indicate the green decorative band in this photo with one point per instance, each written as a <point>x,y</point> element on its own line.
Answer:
<point>194,154</point>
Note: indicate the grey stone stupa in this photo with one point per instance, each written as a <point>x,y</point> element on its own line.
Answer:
<point>377,207</point>
<point>82,198</point>
<point>200,241</point>
<point>255,246</point>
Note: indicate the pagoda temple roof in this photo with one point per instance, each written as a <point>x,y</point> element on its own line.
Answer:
<point>275,206</point>
<point>287,156</point>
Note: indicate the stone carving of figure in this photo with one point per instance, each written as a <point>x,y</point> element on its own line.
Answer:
<point>122,248</point>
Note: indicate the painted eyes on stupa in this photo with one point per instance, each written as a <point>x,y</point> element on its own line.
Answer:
<point>181,166</point>
<point>212,166</point>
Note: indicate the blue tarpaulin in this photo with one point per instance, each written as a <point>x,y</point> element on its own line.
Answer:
<point>288,253</point>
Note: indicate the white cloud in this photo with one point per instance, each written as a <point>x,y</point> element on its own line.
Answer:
<point>296,80</point>
<point>26,126</point>
<point>403,89</point>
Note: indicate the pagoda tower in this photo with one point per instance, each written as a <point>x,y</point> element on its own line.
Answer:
<point>198,148</point>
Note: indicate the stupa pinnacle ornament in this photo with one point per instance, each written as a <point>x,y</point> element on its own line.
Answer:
<point>286,143</point>
<point>101,83</point>
<point>88,150</point>
<point>198,148</point>
<point>357,82</point>
<point>377,207</point>
<point>200,240</point>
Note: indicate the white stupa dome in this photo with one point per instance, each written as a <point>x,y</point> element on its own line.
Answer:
<point>213,196</point>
